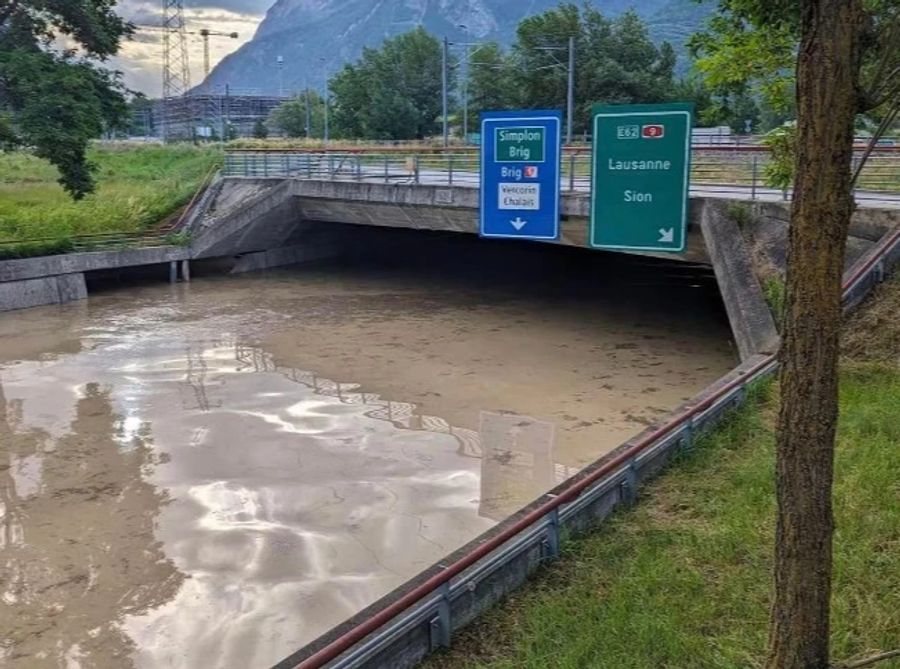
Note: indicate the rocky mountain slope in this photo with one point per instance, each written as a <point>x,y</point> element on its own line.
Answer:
<point>316,37</point>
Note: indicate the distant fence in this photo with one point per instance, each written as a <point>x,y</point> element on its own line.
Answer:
<point>744,168</point>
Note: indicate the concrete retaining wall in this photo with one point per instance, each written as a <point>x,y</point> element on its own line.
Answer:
<point>45,290</point>
<point>748,313</point>
<point>287,255</point>
<point>765,228</point>
<point>33,282</point>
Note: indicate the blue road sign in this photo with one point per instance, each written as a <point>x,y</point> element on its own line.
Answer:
<point>520,156</point>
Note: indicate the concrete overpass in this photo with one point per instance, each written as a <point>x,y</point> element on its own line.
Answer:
<point>300,207</point>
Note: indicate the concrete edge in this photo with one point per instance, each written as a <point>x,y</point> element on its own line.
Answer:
<point>751,319</point>
<point>214,231</point>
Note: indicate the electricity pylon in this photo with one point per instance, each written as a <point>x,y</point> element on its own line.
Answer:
<point>175,72</point>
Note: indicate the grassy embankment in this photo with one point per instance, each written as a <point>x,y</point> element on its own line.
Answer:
<point>682,580</point>
<point>137,186</point>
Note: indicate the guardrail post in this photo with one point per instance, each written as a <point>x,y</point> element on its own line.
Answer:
<point>266,165</point>
<point>440,624</point>
<point>359,167</point>
<point>687,438</point>
<point>385,168</point>
<point>572,172</point>
<point>628,486</point>
<point>550,543</point>
<point>450,169</point>
<point>284,164</point>
<point>244,161</point>
<point>309,166</point>
<point>416,168</point>
<point>753,184</point>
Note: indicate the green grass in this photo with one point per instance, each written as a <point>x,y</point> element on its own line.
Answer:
<point>137,186</point>
<point>682,580</point>
<point>774,294</point>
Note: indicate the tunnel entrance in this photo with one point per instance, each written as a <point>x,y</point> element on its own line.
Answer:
<point>539,269</point>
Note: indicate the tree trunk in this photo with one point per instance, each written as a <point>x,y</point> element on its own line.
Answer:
<point>827,78</point>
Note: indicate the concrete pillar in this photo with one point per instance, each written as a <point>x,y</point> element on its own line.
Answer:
<point>173,271</point>
<point>186,270</point>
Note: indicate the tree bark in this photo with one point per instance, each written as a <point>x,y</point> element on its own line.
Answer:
<point>827,81</point>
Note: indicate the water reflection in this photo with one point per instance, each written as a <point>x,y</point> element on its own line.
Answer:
<point>77,543</point>
<point>301,499</point>
<point>515,451</point>
<point>517,462</point>
<point>270,504</point>
<point>402,415</point>
<point>274,498</point>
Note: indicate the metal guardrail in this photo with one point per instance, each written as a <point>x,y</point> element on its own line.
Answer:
<point>98,242</point>
<point>743,169</point>
<point>421,618</point>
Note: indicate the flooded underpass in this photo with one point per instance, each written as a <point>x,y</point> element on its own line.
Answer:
<point>213,474</point>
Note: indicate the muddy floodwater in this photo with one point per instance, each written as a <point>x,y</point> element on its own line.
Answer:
<point>214,474</point>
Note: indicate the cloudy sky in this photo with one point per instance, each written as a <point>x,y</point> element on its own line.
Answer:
<point>141,58</point>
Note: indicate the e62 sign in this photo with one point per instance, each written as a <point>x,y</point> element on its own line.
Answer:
<point>641,175</point>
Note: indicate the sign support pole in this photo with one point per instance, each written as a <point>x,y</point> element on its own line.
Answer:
<point>446,46</point>
<point>570,93</point>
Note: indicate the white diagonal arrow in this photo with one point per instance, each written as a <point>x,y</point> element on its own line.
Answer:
<point>518,223</point>
<point>666,235</point>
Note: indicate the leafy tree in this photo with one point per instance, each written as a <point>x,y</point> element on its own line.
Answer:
<point>847,60</point>
<point>140,116</point>
<point>290,117</point>
<point>260,131</point>
<point>393,92</point>
<point>350,95</point>
<point>56,100</point>
<point>540,61</point>
<point>615,60</point>
<point>492,82</point>
<point>753,44</point>
<point>707,108</point>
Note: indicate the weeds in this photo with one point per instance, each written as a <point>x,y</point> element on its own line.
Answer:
<point>137,187</point>
<point>774,292</point>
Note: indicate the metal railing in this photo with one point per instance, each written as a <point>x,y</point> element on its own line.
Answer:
<point>12,249</point>
<point>742,170</point>
<point>421,617</point>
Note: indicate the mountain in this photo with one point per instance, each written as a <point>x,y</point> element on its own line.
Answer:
<point>316,37</point>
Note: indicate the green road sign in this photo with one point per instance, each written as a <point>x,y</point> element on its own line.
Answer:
<point>519,145</point>
<point>641,176</point>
